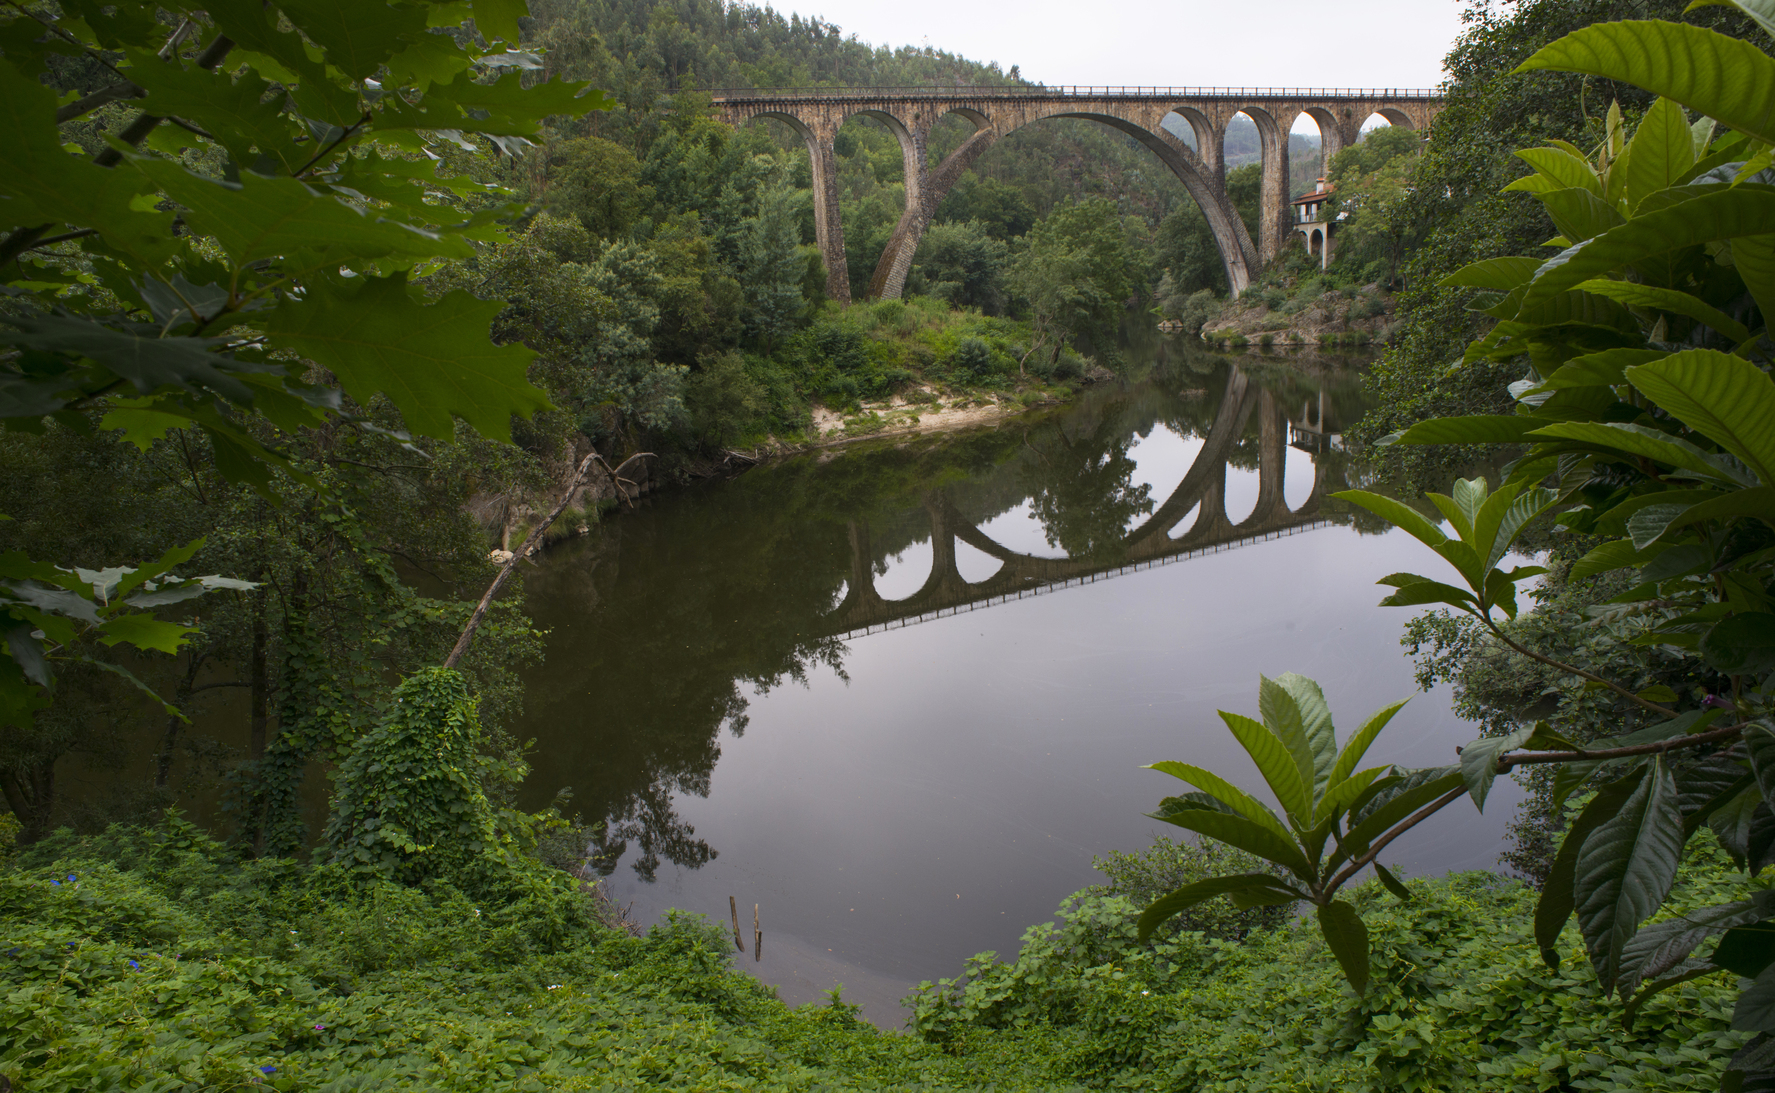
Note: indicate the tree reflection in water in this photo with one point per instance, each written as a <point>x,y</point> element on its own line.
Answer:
<point>665,619</point>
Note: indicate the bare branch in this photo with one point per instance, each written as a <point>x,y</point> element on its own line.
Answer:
<point>1380,844</point>
<point>1562,666</point>
<point>523,551</point>
<point>1715,736</point>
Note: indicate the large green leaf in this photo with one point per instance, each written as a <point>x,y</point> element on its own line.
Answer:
<point>1611,556</point>
<point>258,218</point>
<point>1397,513</point>
<point>1498,274</point>
<point>147,362</point>
<point>1345,793</point>
<point>358,35</point>
<point>1294,708</point>
<point>1347,938</point>
<point>1557,169</point>
<point>233,110</point>
<point>1237,831</point>
<point>1275,762</point>
<point>1602,369</point>
<point>1762,11</point>
<point>1635,294</point>
<point>1758,501</point>
<point>434,362</point>
<point>1753,256</point>
<point>1228,794</point>
<point>1727,79</point>
<point>1357,746</point>
<point>1504,516</point>
<point>1657,949</point>
<point>1661,150</point>
<point>44,184</point>
<point>1725,398</point>
<point>1743,210</point>
<point>1741,645</point>
<point>1626,867</point>
<point>498,19</point>
<point>1479,761</point>
<point>1398,802</point>
<point>1557,894</point>
<point>1639,440</point>
<point>1478,429</point>
<point>1579,214</point>
<point>1203,890</point>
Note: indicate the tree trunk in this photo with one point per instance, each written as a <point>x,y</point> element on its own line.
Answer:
<point>260,678</point>
<point>169,740</point>
<point>30,792</point>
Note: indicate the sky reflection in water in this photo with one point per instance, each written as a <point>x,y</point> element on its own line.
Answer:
<point>901,800</point>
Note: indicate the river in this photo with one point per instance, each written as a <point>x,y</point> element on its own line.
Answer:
<point>898,695</point>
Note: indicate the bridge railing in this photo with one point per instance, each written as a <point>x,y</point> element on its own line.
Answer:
<point>1078,91</point>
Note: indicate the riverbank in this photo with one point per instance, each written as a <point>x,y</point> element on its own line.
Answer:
<point>155,959</point>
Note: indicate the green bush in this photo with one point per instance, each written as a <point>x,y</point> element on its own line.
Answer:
<point>1461,1001</point>
<point>153,960</point>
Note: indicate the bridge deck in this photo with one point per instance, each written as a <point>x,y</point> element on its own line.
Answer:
<point>1078,91</point>
<point>1104,574</point>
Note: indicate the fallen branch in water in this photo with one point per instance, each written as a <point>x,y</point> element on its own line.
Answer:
<point>531,541</point>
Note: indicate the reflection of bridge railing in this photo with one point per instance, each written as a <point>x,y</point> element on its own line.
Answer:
<point>1108,573</point>
<point>1074,91</point>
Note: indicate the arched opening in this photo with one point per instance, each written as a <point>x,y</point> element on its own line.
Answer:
<point>1187,523</point>
<point>1307,144</point>
<point>900,575</point>
<point>875,157</point>
<point>1316,243</point>
<point>1019,530</point>
<point>1297,478</point>
<point>973,564</point>
<point>826,228</point>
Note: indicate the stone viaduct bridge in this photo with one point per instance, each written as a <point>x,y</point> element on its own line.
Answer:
<point>1203,491</point>
<point>816,114</point>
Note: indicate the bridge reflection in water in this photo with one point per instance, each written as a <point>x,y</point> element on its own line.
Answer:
<point>666,622</point>
<point>1153,542</point>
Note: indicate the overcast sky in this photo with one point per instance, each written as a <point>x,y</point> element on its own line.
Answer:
<point>1171,43</point>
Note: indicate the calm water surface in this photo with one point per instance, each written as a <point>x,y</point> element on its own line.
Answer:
<point>899,697</point>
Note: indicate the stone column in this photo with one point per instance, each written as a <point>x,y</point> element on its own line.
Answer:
<point>828,225</point>
<point>1272,458</point>
<point>1274,227</point>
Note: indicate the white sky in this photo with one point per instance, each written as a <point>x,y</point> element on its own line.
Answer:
<point>1172,43</point>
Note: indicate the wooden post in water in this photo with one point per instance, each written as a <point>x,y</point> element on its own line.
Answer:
<point>733,908</point>
<point>757,937</point>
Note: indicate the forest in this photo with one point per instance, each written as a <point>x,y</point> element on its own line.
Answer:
<point>325,303</point>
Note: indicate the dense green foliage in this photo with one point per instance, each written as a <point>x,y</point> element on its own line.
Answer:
<point>1646,414</point>
<point>1460,1001</point>
<point>157,961</point>
<point>1458,207</point>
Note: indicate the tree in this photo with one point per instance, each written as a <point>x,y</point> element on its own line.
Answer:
<point>964,264</point>
<point>1646,413</point>
<point>240,277</point>
<point>1074,272</point>
<point>1373,203</point>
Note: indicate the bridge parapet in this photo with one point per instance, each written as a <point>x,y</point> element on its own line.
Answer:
<point>910,112</point>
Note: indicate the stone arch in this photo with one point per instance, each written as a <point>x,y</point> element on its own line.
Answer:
<point>1238,254</point>
<point>1395,117</point>
<point>1335,134</point>
<point>925,189</point>
<point>1207,136</point>
<point>828,226</point>
<point>1273,126</point>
